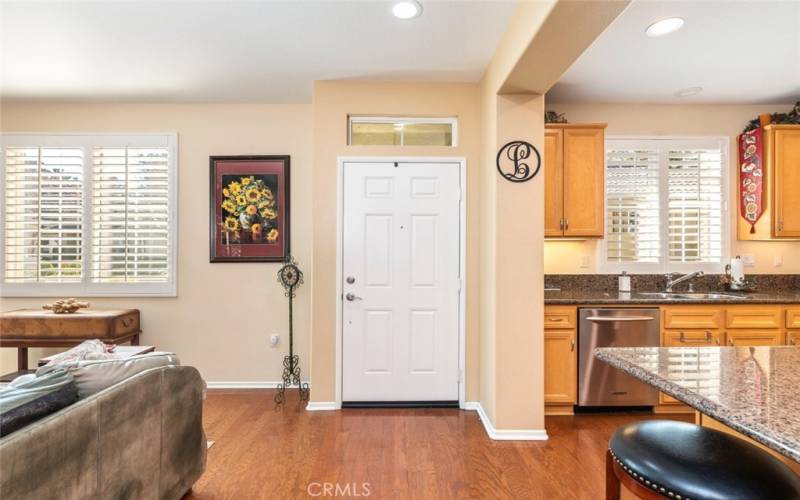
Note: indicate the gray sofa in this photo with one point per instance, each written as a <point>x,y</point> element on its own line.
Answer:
<point>139,439</point>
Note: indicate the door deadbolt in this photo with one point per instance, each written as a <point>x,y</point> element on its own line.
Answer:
<point>350,280</point>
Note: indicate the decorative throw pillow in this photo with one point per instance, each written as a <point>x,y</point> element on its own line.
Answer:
<point>94,376</point>
<point>86,350</point>
<point>28,387</point>
<point>30,412</point>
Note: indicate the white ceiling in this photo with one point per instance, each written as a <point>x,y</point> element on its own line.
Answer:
<point>225,51</point>
<point>739,52</point>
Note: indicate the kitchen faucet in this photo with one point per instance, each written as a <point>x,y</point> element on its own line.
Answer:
<point>680,279</point>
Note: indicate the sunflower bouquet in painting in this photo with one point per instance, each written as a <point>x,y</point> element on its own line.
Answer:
<point>249,216</point>
<point>249,210</point>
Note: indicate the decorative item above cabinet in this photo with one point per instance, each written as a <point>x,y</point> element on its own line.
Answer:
<point>574,198</point>
<point>768,184</point>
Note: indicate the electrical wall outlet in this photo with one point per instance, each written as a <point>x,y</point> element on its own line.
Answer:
<point>584,262</point>
<point>777,260</point>
<point>748,259</point>
<point>273,339</point>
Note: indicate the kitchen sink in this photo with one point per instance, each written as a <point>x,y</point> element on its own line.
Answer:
<point>660,295</point>
<point>690,295</point>
<point>711,296</point>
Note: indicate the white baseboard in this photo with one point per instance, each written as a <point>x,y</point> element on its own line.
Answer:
<point>322,406</point>
<point>244,385</point>
<point>506,434</point>
<point>470,405</point>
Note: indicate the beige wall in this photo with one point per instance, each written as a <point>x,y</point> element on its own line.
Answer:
<point>539,44</point>
<point>332,103</point>
<point>674,120</point>
<point>224,313</point>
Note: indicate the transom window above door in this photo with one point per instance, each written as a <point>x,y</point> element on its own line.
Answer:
<point>401,131</point>
<point>666,205</point>
<point>88,215</point>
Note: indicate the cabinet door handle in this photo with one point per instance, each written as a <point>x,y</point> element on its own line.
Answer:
<point>572,345</point>
<point>682,338</point>
<point>566,224</point>
<point>780,224</point>
<point>792,342</point>
<point>555,319</point>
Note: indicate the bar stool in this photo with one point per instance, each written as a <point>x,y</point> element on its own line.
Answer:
<point>657,459</point>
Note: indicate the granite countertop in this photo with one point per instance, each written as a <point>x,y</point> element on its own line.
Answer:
<point>754,390</point>
<point>584,297</point>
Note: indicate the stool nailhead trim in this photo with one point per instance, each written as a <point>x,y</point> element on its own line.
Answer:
<point>647,482</point>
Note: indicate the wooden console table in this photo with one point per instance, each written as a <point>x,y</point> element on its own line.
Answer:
<point>25,328</point>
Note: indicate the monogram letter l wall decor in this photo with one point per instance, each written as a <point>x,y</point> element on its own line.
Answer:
<point>512,161</point>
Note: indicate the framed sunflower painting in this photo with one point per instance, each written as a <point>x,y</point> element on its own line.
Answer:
<point>249,208</point>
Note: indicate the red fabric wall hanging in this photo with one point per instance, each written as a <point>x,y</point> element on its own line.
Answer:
<point>751,176</point>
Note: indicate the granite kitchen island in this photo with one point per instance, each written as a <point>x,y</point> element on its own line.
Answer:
<point>750,391</point>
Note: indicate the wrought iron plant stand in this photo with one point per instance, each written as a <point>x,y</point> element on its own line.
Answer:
<point>290,276</point>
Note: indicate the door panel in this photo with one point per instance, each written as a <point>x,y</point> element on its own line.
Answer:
<point>553,183</point>
<point>748,338</point>
<point>401,250</point>
<point>787,183</point>
<point>560,374</point>
<point>584,188</point>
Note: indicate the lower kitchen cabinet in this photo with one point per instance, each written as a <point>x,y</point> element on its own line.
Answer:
<point>748,338</point>
<point>560,369</point>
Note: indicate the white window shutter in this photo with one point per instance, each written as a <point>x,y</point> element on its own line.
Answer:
<point>131,229</point>
<point>694,206</point>
<point>665,205</point>
<point>43,214</point>
<point>632,206</point>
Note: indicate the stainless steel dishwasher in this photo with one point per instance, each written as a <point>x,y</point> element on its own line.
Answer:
<point>599,384</point>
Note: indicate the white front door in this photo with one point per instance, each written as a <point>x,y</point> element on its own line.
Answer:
<point>401,251</point>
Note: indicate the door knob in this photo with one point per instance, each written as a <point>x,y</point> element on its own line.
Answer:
<point>351,297</point>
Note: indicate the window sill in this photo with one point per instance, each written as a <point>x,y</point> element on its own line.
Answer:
<point>79,290</point>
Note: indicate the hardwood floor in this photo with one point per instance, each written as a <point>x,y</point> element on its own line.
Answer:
<point>260,452</point>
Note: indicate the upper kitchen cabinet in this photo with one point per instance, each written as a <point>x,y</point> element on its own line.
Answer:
<point>781,216</point>
<point>785,148</point>
<point>574,180</point>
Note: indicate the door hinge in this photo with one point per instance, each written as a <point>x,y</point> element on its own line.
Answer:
<point>460,194</point>
<point>460,284</point>
<point>459,375</point>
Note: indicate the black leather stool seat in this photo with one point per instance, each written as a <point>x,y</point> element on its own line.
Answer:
<point>688,462</point>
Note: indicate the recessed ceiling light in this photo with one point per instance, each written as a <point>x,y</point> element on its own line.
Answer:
<point>406,9</point>
<point>664,26</point>
<point>688,91</point>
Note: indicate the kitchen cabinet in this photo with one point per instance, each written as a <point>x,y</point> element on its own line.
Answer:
<point>682,325</point>
<point>793,317</point>
<point>781,190</point>
<point>560,358</point>
<point>574,166</point>
<point>748,338</point>
<point>560,375</point>
<point>753,317</point>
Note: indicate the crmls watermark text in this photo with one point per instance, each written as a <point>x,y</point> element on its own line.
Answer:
<point>317,489</point>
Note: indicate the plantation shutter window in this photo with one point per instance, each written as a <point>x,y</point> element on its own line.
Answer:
<point>130,215</point>
<point>43,214</point>
<point>694,208</point>
<point>666,205</point>
<point>88,215</point>
<point>632,206</point>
